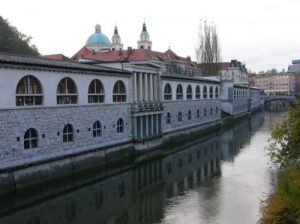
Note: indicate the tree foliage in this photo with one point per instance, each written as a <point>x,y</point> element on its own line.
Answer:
<point>13,41</point>
<point>285,146</point>
<point>208,51</point>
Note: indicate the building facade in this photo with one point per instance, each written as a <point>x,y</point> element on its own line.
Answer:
<point>239,99</point>
<point>295,66</point>
<point>55,108</point>
<point>276,84</point>
<point>234,71</point>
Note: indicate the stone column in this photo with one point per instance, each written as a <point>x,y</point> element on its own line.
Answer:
<point>157,123</point>
<point>155,89</point>
<point>140,87</point>
<point>146,128</point>
<point>146,86</point>
<point>151,87</point>
<point>135,87</point>
<point>151,124</point>
<point>135,120</point>
<point>141,127</point>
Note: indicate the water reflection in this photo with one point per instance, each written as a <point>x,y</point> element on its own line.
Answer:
<point>177,188</point>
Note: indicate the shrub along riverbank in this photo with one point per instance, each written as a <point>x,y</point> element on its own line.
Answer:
<point>283,206</point>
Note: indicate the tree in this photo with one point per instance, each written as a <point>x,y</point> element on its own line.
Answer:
<point>273,71</point>
<point>208,51</point>
<point>13,41</point>
<point>285,146</point>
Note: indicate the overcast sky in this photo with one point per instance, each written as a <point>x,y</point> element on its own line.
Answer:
<point>264,34</point>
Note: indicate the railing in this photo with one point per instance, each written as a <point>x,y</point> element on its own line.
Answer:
<point>268,99</point>
<point>147,106</point>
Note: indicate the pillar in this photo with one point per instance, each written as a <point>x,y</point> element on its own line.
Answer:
<point>135,87</point>
<point>140,87</point>
<point>151,87</point>
<point>151,124</point>
<point>155,89</point>
<point>141,127</point>
<point>145,87</point>
<point>157,123</point>
<point>146,128</point>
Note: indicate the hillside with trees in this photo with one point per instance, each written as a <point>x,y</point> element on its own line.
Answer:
<point>13,41</point>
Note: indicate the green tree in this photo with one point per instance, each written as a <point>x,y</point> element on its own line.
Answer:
<point>285,146</point>
<point>13,41</point>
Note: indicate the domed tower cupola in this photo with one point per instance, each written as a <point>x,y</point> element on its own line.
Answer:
<point>98,42</point>
<point>144,42</point>
<point>116,41</point>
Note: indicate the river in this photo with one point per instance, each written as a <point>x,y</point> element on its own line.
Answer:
<point>221,179</point>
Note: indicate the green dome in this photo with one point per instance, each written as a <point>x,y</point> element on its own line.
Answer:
<point>98,38</point>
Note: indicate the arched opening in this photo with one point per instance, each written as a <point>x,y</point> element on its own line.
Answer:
<point>68,133</point>
<point>66,92</point>
<point>30,139</point>
<point>167,92</point>
<point>119,92</point>
<point>29,92</point>
<point>179,92</point>
<point>96,92</point>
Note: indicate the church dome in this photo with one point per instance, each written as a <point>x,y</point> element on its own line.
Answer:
<point>98,38</point>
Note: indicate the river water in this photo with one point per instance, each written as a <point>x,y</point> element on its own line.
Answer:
<point>220,179</point>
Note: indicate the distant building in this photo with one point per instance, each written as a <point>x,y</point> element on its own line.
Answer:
<point>233,71</point>
<point>295,66</point>
<point>251,79</point>
<point>276,84</point>
<point>295,69</point>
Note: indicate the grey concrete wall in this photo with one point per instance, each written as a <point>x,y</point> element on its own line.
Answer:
<point>173,107</point>
<point>49,123</point>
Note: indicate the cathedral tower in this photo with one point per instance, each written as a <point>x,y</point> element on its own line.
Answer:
<point>144,42</point>
<point>116,41</point>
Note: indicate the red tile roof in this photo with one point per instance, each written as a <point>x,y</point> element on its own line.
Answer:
<point>221,65</point>
<point>56,57</point>
<point>132,55</point>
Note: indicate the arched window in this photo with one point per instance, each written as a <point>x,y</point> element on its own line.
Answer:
<point>205,112</point>
<point>179,92</point>
<point>119,92</point>
<point>204,92</point>
<point>198,93</point>
<point>217,110</point>
<point>198,113</point>
<point>234,94</point>
<point>168,92</point>
<point>29,92</point>
<point>66,92</point>
<point>216,92</point>
<point>168,121</point>
<point>189,92</point>
<point>190,115</point>
<point>97,129</point>
<point>179,116</point>
<point>30,139</point>
<point>68,133</point>
<point>211,92</point>
<point>120,126</point>
<point>211,111</point>
<point>96,92</point>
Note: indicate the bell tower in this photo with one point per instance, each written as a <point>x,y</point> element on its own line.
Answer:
<point>144,42</point>
<point>116,41</point>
